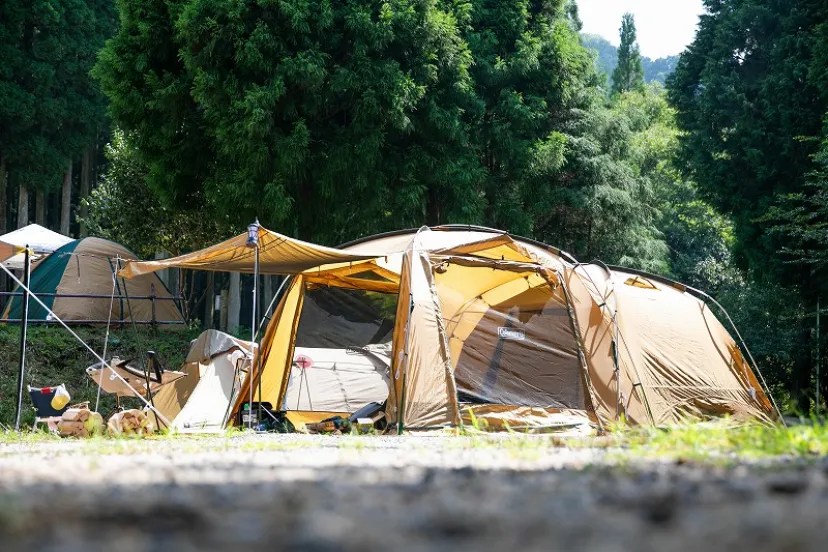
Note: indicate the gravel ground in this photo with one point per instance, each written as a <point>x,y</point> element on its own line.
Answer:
<point>422,492</point>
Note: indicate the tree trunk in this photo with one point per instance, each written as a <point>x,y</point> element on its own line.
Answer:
<point>85,186</point>
<point>209,301</point>
<point>66,201</point>
<point>23,206</point>
<point>40,207</point>
<point>234,303</point>
<point>4,223</point>
<point>802,368</point>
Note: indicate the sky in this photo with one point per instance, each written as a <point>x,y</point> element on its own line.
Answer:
<point>665,27</point>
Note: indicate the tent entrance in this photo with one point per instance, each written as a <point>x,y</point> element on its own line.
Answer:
<point>342,350</point>
<point>510,338</point>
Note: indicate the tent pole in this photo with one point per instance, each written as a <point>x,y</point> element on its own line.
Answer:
<point>253,241</point>
<point>254,331</point>
<point>27,266</point>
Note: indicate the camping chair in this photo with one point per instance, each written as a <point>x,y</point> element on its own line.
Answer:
<point>42,401</point>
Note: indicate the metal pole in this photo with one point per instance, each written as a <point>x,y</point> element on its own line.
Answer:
<point>256,356</point>
<point>27,268</point>
<point>253,339</point>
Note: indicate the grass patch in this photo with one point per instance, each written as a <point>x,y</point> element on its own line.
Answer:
<point>53,356</point>
<point>723,440</point>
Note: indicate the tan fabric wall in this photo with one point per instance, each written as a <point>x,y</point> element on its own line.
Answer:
<point>171,398</point>
<point>690,366</point>
<point>89,271</point>
<point>593,301</point>
<point>535,362</point>
<point>426,390</point>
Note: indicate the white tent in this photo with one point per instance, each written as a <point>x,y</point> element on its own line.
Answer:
<point>40,240</point>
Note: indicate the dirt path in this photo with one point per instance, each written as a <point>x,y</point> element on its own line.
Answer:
<point>411,493</point>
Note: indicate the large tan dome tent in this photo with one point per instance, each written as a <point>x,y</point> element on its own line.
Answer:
<point>76,283</point>
<point>482,325</point>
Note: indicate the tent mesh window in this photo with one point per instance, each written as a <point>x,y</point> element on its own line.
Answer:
<point>511,340</point>
<point>339,318</point>
<point>342,350</point>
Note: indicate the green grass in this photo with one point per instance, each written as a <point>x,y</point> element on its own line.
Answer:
<point>717,443</point>
<point>53,356</point>
<point>723,440</point>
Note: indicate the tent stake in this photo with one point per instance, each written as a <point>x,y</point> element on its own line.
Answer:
<point>27,266</point>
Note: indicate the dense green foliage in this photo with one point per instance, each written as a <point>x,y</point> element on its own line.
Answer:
<point>655,70</point>
<point>628,73</point>
<point>751,97</point>
<point>123,209</point>
<point>50,108</point>
<point>335,121</point>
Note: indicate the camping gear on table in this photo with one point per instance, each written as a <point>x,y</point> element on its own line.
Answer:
<point>79,277</point>
<point>79,421</point>
<point>130,422</point>
<point>47,410</point>
<point>131,373</point>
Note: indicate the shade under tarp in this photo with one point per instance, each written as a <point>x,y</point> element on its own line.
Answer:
<point>278,254</point>
<point>41,241</point>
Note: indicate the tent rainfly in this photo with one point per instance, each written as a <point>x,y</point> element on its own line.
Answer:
<point>41,242</point>
<point>80,277</point>
<point>484,325</point>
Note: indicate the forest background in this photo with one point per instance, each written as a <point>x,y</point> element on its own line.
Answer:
<point>164,125</point>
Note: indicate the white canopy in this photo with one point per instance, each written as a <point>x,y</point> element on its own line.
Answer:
<point>40,240</point>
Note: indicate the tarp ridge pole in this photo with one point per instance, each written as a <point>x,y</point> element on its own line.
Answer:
<point>50,312</point>
<point>24,328</point>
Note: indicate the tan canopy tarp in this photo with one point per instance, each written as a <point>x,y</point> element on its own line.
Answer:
<point>278,254</point>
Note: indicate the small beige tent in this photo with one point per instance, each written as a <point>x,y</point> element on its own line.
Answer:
<point>202,400</point>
